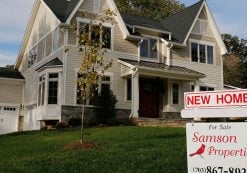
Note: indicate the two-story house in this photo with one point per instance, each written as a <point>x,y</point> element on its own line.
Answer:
<point>154,61</point>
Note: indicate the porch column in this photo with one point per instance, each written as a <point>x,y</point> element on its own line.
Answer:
<point>197,89</point>
<point>135,95</point>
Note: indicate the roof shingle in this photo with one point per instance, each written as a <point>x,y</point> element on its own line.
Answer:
<point>62,8</point>
<point>53,62</point>
<point>10,73</point>
<point>178,24</point>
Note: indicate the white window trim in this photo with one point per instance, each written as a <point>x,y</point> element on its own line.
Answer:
<point>96,22</point>
<point>158,49</point>
<point>179,90</point>
<point>206,43</point>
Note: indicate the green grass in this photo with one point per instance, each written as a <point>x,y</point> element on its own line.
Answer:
<point>120,150</point>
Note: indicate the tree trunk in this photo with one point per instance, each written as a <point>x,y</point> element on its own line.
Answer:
<point>82,119</point>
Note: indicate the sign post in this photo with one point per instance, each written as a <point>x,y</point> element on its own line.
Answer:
<point>216,147</point>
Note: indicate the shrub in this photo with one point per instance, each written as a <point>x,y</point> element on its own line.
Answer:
<point>104,106</point>
<point>74,122</point>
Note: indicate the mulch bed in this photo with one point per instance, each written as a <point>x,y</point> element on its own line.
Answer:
<point>77,145</point>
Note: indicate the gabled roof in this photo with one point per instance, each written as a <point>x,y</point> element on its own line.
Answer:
<point>53,63</point>
<point>62,8</point>
<point>180,23</point>
<point>132,20</point>
<point>10,73</point>
<point>163,67</point>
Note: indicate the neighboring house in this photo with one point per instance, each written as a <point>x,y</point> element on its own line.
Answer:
<point>154,61</point>
<point>11,95</point>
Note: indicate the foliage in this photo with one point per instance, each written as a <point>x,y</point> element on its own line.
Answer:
<point>119,149</point>
<point>104,106</point>
<point>10,66</point>
<point>74,122</point>
<point>235,61</point>
<point>156,9</point>
<point>93,64</point>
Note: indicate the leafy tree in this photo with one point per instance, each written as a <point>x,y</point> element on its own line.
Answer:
<point>10,66</point>
<point>234,71</point>
<point>156,9</point>
<point>93,66</point>
<point>235,61</point>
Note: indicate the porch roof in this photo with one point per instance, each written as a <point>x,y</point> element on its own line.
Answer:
<point>161,67</point>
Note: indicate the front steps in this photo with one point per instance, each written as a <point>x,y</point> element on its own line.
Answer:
<point>160,122</point>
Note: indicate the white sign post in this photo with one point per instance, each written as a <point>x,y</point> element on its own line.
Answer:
<point>217,147</point>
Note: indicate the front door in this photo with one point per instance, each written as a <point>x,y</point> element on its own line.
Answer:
<point>149,98</point>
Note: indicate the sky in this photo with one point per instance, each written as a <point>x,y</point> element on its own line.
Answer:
<point>230,16</point>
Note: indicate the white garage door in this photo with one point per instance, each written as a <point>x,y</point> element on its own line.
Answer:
<point>8,119</point>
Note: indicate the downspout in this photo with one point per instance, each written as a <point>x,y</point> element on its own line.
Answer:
<point>132,90</point>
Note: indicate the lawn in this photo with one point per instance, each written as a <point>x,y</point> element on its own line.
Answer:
<point>119,149</point>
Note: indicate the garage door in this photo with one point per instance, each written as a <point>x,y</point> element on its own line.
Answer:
<point>8,119</point>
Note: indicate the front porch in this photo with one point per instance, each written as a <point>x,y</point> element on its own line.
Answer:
<point>157,89</point>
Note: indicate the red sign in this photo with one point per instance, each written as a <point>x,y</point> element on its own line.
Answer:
<point>215,99</point>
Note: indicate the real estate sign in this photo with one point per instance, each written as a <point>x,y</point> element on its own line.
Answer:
<point>230,103</point>
<point>217,147</point>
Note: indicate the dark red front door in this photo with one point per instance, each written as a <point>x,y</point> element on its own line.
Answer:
<point>149,98</point>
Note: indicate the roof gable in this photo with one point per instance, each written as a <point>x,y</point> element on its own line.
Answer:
<point>62,8</point>
<point>180,23</point>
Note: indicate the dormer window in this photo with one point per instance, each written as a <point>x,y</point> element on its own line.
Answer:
<point>149,48</point>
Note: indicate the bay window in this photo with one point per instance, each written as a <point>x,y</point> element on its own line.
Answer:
<point>48,89</point>
<point>41,97</point>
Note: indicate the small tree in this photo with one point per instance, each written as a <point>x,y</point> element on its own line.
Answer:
<point>93,66</point>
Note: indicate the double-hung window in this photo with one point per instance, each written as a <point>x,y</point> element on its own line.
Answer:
<point>53,88</point>
<point>175,93</point>
<point>128,89</point>
<point>104,84</point>
<point>41,97</point>
<point>202,53</point>
<point>92,33</point>
<point>149,48</point>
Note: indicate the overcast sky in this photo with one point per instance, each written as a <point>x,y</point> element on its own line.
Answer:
<point>230,16</point>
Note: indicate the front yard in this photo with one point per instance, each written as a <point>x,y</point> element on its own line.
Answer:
<point>119,149</point>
